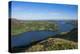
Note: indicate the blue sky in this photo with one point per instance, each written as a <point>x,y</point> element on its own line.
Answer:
<point>43,11</point>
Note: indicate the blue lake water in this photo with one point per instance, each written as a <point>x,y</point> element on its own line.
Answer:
<point>27,37</point>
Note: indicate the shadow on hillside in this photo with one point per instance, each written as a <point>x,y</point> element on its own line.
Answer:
<point>72,35</point>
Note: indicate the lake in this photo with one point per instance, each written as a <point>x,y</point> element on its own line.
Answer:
<point>27,37</point>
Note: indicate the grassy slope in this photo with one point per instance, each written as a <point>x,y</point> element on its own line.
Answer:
<point>53,44</point>
<point>61,42</point>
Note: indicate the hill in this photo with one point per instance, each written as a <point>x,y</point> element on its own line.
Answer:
<point>61,41</point>
<point>53,44</point>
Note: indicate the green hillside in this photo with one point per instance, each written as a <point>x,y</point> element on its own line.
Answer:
<point>53,44</point>
<point>18,26</point>
<point>63,41</point>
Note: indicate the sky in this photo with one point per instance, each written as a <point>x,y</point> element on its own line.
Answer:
<point>43,11</point>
